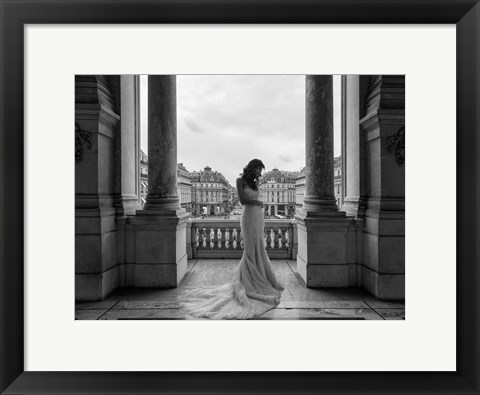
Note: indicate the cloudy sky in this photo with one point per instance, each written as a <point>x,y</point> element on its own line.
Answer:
<point>224,121</point>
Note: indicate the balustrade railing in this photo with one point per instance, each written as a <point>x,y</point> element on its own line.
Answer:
<point>214,238</point>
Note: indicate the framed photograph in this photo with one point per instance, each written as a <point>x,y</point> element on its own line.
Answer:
<point>69,326</point>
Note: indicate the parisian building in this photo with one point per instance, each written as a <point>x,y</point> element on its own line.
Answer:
<point>299,189</point>
<point>184,188</point>
<point>210,192</point>
<point>277,191</point>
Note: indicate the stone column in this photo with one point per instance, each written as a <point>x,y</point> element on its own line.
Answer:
<point>160,228</point>
<point>162,145</point>
<point>351,145</point>
<point>323,259</point>
<point>319,194</point>
<point>127,140</point>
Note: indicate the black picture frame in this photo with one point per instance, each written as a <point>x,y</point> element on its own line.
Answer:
<point>15,14</point>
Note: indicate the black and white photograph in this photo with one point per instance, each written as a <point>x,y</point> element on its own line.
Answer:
<point>238,189</point>
<point>240,197</point>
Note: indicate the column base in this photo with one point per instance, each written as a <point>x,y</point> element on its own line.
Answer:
<point>161,204</point>
<point>324,249</point>
<point>178,212</point>
<point>160,255</point>
<point>306,213</point>
<point>320,205</point>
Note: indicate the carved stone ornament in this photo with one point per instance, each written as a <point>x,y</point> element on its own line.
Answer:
<point>396,144</point>
<point>82,142</point>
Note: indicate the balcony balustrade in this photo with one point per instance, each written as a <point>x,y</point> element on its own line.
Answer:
<point>217,238</point>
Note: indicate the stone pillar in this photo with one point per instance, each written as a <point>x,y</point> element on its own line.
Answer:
<point>383,133</point>
<point>365,82</point>
<point>351,144</point>
<point>160,228</point>
<point>162,145</point>
<point>322,229</point>
<point>127,141</point>
<point>319,194</point>
<point>276,209</point>
<point>96,125</point>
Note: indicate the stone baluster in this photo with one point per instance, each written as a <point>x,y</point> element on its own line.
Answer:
<point>275,239</point>
<point>234,238</point>
<point>209,237</point>
<point>283,239</point>
<point>223,238</point>
<point>215,238</point>
<point>269,238</point>
<point>201,238</point>
<point>230,238</point>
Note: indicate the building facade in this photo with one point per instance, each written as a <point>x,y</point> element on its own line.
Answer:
<point>337,179</point>
<point>277,192</point>
<point>299,189</point>
<point>184,188</point>
<point>210,192</point>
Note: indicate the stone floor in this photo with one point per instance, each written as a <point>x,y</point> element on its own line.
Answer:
<point>297,303</point>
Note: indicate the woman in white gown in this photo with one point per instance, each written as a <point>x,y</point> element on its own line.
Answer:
<point>254,288</point>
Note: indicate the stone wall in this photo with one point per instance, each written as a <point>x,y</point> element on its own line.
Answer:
<point>96,123</point>
<point>383,175</point>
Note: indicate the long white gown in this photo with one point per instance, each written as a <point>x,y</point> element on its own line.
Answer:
<point>254,288</point>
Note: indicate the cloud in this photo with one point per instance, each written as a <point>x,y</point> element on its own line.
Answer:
<point>193,126</point>
<point>285,158</point>
<point>224,121</point>
<point>253,105</point>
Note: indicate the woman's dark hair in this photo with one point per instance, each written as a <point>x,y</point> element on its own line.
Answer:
<point>249,173</point>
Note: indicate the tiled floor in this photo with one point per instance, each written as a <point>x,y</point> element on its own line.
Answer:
<point>298,302</point>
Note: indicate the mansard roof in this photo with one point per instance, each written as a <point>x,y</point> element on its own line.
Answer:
<point>280,175</point>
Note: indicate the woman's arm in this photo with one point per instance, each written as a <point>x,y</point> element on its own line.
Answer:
<point>243,199</point>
